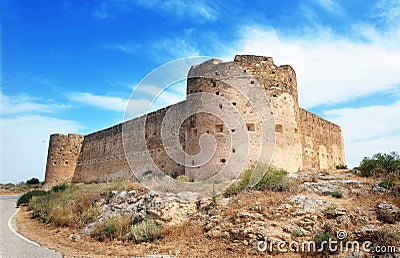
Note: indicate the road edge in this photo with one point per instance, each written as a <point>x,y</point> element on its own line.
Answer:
<point>10,226</point>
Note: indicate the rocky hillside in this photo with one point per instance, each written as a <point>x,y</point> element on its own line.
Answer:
<point>341,208</point>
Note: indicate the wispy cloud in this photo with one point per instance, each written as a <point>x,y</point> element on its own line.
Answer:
<point>126,48</point>
<point>101,11</point>
<point>174,48</point>
<point>328,5</point>
<point>206,10</point>
<point>368,130</point>
<point>111,103</point>
<point>201,11</point>
<point>388,11</point>
<point>16,105</point>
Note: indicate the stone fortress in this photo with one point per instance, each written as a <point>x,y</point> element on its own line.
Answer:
<point>302,140</point>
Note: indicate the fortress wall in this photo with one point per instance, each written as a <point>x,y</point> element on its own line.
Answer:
<point>103,156</point>
<point>62,157</point>
<point>322,142</point>
<point>280,86</point>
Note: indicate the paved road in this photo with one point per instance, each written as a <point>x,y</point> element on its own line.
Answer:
<point>13,245</point>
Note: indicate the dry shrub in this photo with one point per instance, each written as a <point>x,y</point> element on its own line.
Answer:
<point>77,205</point>
<point>115,228</point>
<point>145,231</point>
<point>62,217</point>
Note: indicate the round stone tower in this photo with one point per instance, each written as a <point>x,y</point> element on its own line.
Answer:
<point>237,115</point>
<point>62,158</point>
<point>266,98</point>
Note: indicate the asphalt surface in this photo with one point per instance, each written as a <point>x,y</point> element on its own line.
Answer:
<point>13,245</point>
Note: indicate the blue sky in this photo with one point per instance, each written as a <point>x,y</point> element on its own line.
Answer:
<point>70,66</point>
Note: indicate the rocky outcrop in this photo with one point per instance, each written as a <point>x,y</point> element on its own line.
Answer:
<point>387,213</point>
<point>170,209</point>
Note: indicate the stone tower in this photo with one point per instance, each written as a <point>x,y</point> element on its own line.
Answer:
<point>62,158</point>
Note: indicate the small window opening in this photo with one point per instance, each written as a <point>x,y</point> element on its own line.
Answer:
<point>217,93</point>
<point>234,103</point>
<point>274,95</point>
<point>233,150</point>
<point>252,82</point>
<point>220,106</point>
<point>233,130</point>
<point>251,127</point>
<point>222,160</point>
<point>219,128</point>
<point>208,131</point>
<point>214,84</point>
<point>278,128</point>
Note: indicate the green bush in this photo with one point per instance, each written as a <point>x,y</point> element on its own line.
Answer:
<point>381,165</point>
<point>272,179</point>
<point>297,233</point>
<point>387,184</point>
<point>322,239</point>
<point>59,188</point>
<point>33,181</point>
<point>330,212</point>
<point>26,197</point>
<point>341,166</point>
<point>145,231</point>
<point>337,194</point>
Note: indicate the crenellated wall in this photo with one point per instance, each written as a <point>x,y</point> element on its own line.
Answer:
<point>302,140</point>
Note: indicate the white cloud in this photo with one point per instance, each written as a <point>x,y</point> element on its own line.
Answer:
<point>10,105</point>
<point>24,142</point>
<point>24,133</point>
<point>329,68</point>
<point>104,102</point>
<point>368,130</point>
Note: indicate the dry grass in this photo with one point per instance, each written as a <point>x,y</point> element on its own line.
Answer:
<point>77,205</point>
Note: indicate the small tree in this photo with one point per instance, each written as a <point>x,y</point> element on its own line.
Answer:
<point>33,181</point>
